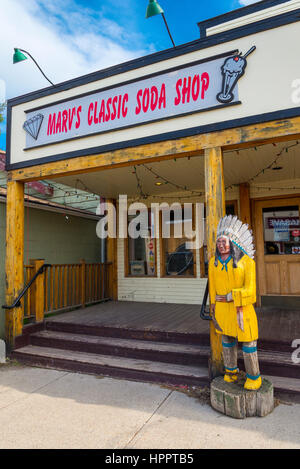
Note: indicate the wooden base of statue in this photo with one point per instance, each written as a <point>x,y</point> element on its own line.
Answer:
<point>233,400</point>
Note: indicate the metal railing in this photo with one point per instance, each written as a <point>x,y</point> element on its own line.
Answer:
<point>204,311</point>
<point>17,302</point>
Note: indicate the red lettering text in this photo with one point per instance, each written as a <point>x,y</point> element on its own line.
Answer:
<point>64,121</point>
<point>58,123</point>
<point>138,98</point>
<point>186,90</point>
<point>90,117</point>
<point>71,117</point>
<point>154,98</point>
<point>191,87</point>
<point>107,117</point>
<point>162,97</point>
<point>205,84</point>
<point>178,97</point>
<point>77,125</point>
<point>95,113</point>
<point>119,106</point>
<point>114,113</point>
<point>102,112</point>
<point>124,107</point>
<point>150,98</point>
<point>196,87</point>
<point>51,124</point>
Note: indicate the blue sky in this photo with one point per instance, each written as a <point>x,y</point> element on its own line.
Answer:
<point>70,38</point>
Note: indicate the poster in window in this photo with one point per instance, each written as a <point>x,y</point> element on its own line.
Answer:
<point>281,234</point>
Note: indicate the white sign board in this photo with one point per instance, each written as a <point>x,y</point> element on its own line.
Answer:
<point>198,87</point>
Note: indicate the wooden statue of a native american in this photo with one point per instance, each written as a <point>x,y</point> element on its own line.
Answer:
<point>232,289</point>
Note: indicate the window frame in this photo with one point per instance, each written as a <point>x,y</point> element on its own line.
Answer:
<point>163,273</point>
<point>127,273</point>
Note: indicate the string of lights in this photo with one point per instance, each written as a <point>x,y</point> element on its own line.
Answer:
<point>178,186</point>
<point>192,192</point>
<point>271,165</point>
<point>74,192</point>
<point>90,196</point>
<point>139,185</point>
<point>276,188</point>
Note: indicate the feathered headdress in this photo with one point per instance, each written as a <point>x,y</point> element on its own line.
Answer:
<point>238,232</point>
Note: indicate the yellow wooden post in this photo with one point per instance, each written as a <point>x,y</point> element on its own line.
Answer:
<point>82,282</point>
<point>215,209</point>
<point>38,290</point>
<point>111,252</point>
<point>245,208</point>
<point>14,265</point>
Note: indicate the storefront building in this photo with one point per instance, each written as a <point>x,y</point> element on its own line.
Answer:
<point>215,121</point>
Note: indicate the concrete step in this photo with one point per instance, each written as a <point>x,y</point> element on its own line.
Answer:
<point>130,348</point>
<point>106,365</point>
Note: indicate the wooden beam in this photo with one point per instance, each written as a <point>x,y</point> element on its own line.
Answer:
<point>257,143</point>
<point>14,265</point>
<point>241,137</point>
<point>215,209</point>
<point>245,208</point>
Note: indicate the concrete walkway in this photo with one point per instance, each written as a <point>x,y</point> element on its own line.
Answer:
<point>42,408</point>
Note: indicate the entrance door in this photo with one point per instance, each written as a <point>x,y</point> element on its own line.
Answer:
<point>277,227</point>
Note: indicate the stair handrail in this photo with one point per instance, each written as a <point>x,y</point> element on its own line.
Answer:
<point>17,302</point>
<point>204,312</point>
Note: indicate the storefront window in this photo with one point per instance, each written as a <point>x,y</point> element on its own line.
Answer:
<point>281,230</point>
<point>177,258</point>
<point>141,250</point>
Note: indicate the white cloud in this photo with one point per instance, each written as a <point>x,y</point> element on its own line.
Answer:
<point>247,2</point>
<point>67,41</point>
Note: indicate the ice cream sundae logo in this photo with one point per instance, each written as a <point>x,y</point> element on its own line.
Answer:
<point>232,70</point>
<point>33,125</point>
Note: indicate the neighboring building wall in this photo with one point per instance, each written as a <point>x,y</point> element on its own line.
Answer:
<point>49,236</point>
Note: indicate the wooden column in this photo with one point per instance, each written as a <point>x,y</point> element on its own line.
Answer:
<point>245,208</point>
<point>82,283</point>
<point>111,255</point>
<point>38,290</point>
<point>215,209</point>
<point>14,265</point>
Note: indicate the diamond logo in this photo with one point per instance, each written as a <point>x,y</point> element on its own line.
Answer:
<point>33,125</point>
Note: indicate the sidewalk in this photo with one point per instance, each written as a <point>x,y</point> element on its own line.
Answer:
<point>42,408</point>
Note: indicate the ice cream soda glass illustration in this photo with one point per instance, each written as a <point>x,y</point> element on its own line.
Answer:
<point>232,290</point>
<point>232,69</point>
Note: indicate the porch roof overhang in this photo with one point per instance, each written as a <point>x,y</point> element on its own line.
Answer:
<point>265,166</point>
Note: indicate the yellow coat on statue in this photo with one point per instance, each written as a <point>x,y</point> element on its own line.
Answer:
<point>241,281</point>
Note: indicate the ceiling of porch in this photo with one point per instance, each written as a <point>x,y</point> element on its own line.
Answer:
<point>260,165</point>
